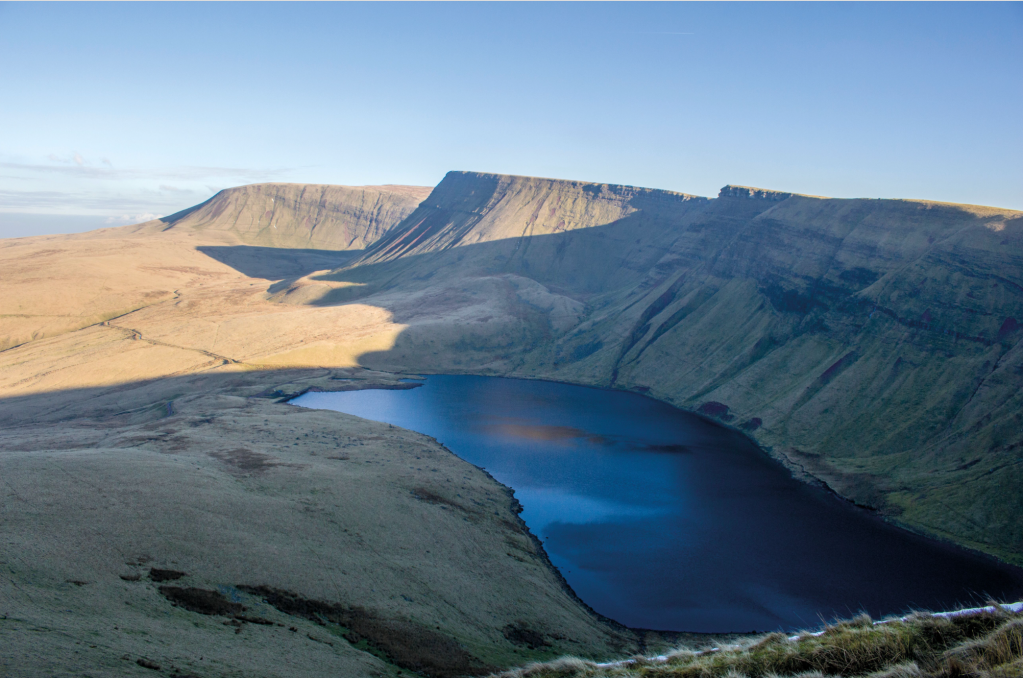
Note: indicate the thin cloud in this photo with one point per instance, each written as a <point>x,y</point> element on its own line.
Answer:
<point>60,202</point>
<point>132,218</point>
<point>74,158</point>
<point>72,170</point>
<point>201,173</point>
<point>73,184</point>
<point>179,173</point>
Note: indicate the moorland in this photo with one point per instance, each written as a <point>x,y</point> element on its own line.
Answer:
<point>163,507</point>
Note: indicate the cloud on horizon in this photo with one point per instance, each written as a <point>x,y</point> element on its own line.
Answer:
<point>126,219</point>
<point>98,204</point>
<point>79,168</point>
<point>73,184</point>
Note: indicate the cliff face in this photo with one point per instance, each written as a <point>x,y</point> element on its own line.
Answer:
<point>872,344</point>
<point>310,216</point>
<point>468,208</point>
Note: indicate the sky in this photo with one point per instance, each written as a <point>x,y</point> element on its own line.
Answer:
<point>114,113</point>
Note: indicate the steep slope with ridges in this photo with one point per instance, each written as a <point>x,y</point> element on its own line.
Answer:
<point>467,208</point>
<point>309,216</point>
<point>872,344</point>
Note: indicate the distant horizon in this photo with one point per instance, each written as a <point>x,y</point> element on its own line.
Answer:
<point>125,110</point>
<point>30,224</point>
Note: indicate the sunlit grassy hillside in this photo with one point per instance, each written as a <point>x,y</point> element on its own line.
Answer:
<point>872,345</point>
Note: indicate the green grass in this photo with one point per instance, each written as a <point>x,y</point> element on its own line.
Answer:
<point>986,645</point>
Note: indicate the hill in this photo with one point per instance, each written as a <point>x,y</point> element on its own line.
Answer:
<point>80,280</point>
<point>311,216</point>
<point>872,345</point>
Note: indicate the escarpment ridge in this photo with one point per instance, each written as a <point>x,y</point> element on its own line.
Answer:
<point>872,345</point>
<point>468,208</point>
<point>312,216</point>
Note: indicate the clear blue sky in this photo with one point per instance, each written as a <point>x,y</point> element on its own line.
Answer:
<point>122,110</point>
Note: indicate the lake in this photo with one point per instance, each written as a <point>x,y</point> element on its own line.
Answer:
<point>661,520</point>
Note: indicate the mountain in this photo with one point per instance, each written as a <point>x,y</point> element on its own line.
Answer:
<point>312,216</point>
<point>155,480</point>
<point>80,280</point>
<point>468,208</point>
<point>872,345</point>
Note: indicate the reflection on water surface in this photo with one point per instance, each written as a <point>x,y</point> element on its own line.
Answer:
<point>539,432</point>
<point>661,520</point>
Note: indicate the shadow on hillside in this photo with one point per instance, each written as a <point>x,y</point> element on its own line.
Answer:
<point>642,262</point>
<point>576,263</point>
<point>716,242</point>
<point>145,400</point>
<point>149,411</point>
<point>646,271</point>
<point>274,263</point>
<point>658,258</point>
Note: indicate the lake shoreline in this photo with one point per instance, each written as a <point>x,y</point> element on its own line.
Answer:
<point>648,639</point>
<point>948,548</point>
<point>796,470</point>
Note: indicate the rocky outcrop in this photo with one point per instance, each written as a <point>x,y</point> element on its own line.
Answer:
<point>751,193</point>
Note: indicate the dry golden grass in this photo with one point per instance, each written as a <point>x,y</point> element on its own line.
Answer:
<point>985,645</point>
<point>138,369</point>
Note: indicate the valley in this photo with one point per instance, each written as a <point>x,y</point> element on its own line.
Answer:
<point>871,346</point>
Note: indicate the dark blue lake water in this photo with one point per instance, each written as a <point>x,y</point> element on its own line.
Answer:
<point>661,520</point>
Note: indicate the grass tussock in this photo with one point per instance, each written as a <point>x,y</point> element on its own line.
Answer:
<point>985,645</point>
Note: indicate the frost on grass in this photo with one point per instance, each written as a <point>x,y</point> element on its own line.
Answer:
<point>983,644</point>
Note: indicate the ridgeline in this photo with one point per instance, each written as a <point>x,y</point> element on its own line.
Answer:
<point>873,346</point>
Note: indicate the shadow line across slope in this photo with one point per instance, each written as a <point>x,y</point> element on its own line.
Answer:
<point>843,346</point>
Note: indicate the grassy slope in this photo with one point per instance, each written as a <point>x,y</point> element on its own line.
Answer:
<point>155,439</point>
<point>988,645</point>
<point>833,325</point>
<point>868,343</point>
<point>744,301</point>
<point>57,284</point>
<point>211,476</point>
<point>297,215</point>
